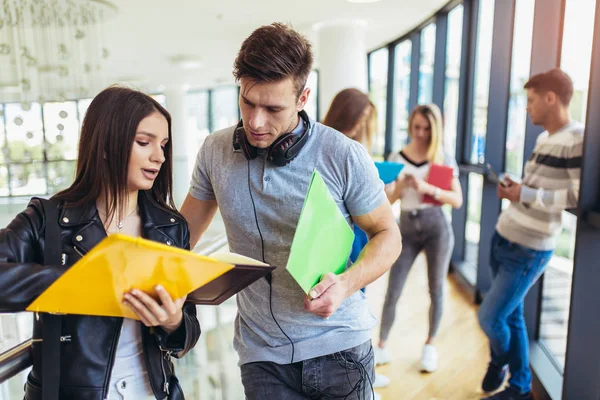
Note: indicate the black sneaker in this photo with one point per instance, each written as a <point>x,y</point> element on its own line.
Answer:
<point>494,377</point>
<point>510,394</point>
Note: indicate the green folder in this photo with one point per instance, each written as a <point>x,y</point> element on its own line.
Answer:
<point>323,238</point>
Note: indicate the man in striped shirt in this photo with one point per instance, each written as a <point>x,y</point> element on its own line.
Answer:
<point>526,232</point>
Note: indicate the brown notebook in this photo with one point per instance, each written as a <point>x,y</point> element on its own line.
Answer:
<point>246,271</point>
<point>228,284</point>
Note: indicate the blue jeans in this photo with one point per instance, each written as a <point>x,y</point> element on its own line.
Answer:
<point>515,269</point>
<point>348,374</point>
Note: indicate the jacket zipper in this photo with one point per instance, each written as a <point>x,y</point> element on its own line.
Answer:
<point>77,251</point>
<point>111,359</point>
<point>162,367</point>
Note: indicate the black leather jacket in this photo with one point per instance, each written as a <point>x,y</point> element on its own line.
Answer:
<point>88,351</point>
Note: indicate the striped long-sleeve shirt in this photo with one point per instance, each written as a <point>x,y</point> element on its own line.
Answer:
<point>550,185</point>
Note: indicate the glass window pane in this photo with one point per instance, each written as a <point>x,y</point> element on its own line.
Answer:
<point>4,181</point>
<point>556,298</point>
<point>378,71</point>
<point>556,295</point>
<point>576,53</point>
<point>313,83</point>
<point>517,104</point>
<point>27,179</point>
<point>82,106</point>
<point>482,80</point>
<point>453,53</point>
<point>61,129</point>
<point>473,227</point>
<point>224,107</point>
<point>3,149</point>
<point>402,92</point>
<point>197,123</point>
<point>60,175</point>
<point>161,99</point>
<point>24,132</point>
<point>426,64</point>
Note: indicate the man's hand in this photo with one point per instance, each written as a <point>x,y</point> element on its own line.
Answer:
<point>326,296</point>
<point>168,315</point>
<point>512,190</point>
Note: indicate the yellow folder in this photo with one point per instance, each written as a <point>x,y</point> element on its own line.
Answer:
<point>95,284</point>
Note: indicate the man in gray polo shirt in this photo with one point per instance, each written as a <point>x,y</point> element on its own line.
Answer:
<point>292,346</point>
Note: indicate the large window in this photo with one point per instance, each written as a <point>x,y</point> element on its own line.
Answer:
<point>378,71</point>
<point>521,60</point>
<point>39,146</point>
<point>473,226</point>
<point>576,53</point>
<point>402,93</point>
<point>556,293</point>
<point>426,64</point>
<point>311,106</point>
<point>3,157</point>
<point>25,141</point>
<point>485,27</point>
<point>452,87</point>
<point>224,107</point>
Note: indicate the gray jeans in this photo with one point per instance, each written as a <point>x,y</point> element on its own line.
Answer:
<point>347,374</point>
<point>422,230</point>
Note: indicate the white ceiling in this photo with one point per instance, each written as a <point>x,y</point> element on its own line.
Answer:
<point>147,33</point>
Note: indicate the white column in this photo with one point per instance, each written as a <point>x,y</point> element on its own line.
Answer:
<point>341,58</point>
<point>175,99</point>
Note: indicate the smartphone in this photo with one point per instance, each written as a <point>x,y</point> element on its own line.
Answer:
<point>493,175</point>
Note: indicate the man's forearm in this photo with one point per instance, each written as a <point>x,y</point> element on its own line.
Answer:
<point>374,260</point>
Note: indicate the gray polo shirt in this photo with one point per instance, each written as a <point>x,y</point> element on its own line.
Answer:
<point>278,192</point>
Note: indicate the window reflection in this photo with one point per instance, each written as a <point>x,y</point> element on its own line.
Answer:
<point>426,64</point>
<point>556,292</point>
<point>61,130</point>
<point>473,226</point>
<point>378,70</point>
<point>521,60</point>
<point>576,53</point>
<point>482,80</point>
<point>311,105</point>
<point>224,107</point>
<point>402,93</point>
<point>452,87</point>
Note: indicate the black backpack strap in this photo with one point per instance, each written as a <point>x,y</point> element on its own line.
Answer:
<point>51,330</point>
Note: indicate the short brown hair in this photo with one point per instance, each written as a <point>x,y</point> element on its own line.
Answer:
<point>555,80</point>
<point>273,53</point>
<point>349,108</point>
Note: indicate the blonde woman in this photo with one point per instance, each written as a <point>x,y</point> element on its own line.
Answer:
<point>423,225</point>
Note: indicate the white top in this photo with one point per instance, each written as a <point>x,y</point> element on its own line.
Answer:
<point>129,373</point>
<point>411,200</point>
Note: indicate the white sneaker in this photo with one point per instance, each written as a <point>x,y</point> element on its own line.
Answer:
<point>381,381</point>
<point>382,356</point>
<point>429,360</point>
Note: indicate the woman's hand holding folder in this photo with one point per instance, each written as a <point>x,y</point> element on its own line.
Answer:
<point>168,314</point>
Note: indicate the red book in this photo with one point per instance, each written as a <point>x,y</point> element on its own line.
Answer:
<point>439,176</point>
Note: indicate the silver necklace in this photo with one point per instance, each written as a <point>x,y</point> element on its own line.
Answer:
<point>120,223</point>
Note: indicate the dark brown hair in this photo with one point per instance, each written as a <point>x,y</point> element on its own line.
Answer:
<point>273,53</point>
<point>105,143</point>
<point>349,108</point>
<point>555,80</point>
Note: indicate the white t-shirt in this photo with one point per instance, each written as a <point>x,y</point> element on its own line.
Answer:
<point>129,378</point>
<point>411,200</point>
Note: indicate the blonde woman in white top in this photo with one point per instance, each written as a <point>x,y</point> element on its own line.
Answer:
<point>423,225</point>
